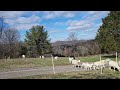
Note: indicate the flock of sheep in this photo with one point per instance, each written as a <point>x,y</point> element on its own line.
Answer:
<point>95,65</point>
<point>56,57</point>
<point>91,65</point>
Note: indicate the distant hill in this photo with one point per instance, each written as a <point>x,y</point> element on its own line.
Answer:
<point>75,48</point>
<point>69,42</point>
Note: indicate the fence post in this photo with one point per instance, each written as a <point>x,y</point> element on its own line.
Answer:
<point>101,63</point>
<point>53,64</point>
<point>116,56</point>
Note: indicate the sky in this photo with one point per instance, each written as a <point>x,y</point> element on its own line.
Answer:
<point>59,24</point>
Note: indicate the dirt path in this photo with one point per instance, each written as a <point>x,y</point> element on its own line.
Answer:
<point>35,71</point>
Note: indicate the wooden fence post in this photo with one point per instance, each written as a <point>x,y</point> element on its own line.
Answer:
<point>53,64</point>
<point>116,56</point>
<point>101,65</point>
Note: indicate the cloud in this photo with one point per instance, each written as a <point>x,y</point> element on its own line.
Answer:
<point>36,12</point>
<point>95,15</point>
<point>24,26</point>
<point>54,14</point>
<point>74,25</point>
<point>21,19</point>
<point>82,27</point>
<point>88,21</point>
<point>93,12</point>
<point>53,31</point>
<point>76,22</point>
<point>12,14</point>
<point>98,12</point>
<point>59,23</point>
<point>31,19</point>
<point>69,15</point>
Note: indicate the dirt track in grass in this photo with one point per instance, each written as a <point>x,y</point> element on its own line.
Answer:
<point>36,71</point>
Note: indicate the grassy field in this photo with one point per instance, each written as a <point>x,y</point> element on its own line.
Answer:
<point>30,62</point>
<point>37,62</point>
<point>94,74</point>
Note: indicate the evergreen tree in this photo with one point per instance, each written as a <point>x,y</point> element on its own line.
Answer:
<point>22,48</point>
<point>37,41</point>
<point>108,35</point>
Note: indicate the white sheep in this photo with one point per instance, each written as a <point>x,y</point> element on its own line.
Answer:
<point>105,61</point>
<point>56,57</point>
<point>70,59</point>
<point>75,63</point>
<point>101,63</point>
<point>87,66</point>
<point>83,65</point>
<point>114,65</point>
<point>40,56</point>
<point>23,56</point>
<point>119,62</point>
<point>43,57</point>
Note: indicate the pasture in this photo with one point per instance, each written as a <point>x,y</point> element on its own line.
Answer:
<point>38,62</point>
<point>14,64</point>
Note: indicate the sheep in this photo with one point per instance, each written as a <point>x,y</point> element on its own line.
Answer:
<point>90,66</point>
<point>98,64</point>
<point>40,56</point>
<point>114,65</point>
<point>56,57</point>
<point>119,62</point>
<point>83,65</point>
<point>70,59</point>
<point>75,63</point>
<point>87,66</point>
<point>105,61</point>
<point>23,56</point>
<point>101,63</point>
<point>43,57</point>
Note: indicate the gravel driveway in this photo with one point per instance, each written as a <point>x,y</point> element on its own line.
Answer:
<point>35,71</point>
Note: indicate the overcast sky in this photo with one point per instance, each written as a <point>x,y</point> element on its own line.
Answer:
<point>58,23</point>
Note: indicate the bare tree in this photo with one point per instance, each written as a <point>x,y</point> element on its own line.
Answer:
<point>74,40</point>
<point>72,37</point>
<point>10,38</point>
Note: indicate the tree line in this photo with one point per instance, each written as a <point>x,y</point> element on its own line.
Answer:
<point>79,48</point>
<point>35,44</point>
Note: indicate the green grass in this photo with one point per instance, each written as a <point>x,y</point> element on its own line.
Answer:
<point>88,59</point>
<point>31,62</point>
<point>94,74</point>
<point>37,62</point>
